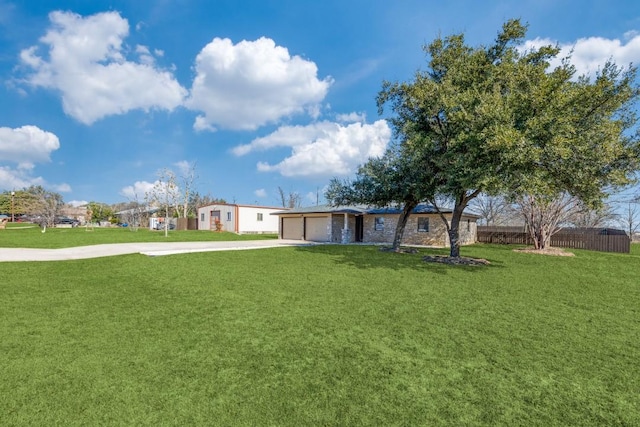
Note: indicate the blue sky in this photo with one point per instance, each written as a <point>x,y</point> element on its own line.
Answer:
<point>98,96</point>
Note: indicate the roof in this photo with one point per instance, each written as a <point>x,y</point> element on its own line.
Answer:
<point>350,209</point>
<point>361,210</point>
<point>241,206</point>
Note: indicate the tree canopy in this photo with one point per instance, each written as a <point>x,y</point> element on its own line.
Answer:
<point>497,120</point>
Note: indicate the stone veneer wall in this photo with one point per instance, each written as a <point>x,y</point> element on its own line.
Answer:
<point>337,224</point>
<point>436,236</point>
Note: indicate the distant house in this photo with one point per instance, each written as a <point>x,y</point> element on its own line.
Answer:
<point>241,219</point>
<point>350,224</point>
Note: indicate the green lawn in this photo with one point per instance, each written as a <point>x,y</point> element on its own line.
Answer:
<point>325,335</point>
<point>30,236</point>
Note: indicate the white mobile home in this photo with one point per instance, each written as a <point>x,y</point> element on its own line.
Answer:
<point>241,219</point>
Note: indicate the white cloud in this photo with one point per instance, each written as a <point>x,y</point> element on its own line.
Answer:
<point>138,191</point>
<point>11,179</point>
<point>252,83</point>
<point>322,149</point>
<point>589,54</point>
<point>27,145</point>
<point>261,192</point>
<point>61,188</point>
<point>184,167</point>
<point>76,203</point>
<point>352,117</point>
<point>86,62</point>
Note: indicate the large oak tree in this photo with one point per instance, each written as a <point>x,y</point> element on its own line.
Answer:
<point>497,120</point>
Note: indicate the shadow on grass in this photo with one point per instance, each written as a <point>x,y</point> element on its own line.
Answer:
<point>370,257</point>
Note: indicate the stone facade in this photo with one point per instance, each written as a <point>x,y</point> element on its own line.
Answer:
<point>337,226</point>
<point>435,236</point>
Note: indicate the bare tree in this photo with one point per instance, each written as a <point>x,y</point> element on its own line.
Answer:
<point>493,210</point>
<point>45,205</point>
<point>584,217</point>
<point>291,200</point>
<point>187,179</point>
<point>543,215</point>
<point>165,194</point>
<point>629,219</point>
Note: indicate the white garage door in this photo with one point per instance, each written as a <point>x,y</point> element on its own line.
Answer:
<point>316,229</point>
<point>292,228</point>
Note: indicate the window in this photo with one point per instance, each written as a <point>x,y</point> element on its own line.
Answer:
<point>379,223</point>
<point>202,217</point>
<point>228,216</point>
<point>259,217</point>
<point>468,225</point>
<point>423,225</point>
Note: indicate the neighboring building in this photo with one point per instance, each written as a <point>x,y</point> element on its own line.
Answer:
<point>350,224</point>
<point>241,219</point>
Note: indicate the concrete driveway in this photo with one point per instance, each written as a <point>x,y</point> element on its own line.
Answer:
<point>150,249</point>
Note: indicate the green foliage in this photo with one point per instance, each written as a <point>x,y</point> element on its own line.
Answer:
<point>326,335</point>
<point>493,119</point>
<point>100,212</point>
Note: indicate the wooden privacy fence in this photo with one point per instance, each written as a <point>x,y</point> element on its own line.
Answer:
<point>594,239</point>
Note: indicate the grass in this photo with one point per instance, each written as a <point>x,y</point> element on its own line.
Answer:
<point>30,236</point>
<point>325,335</point>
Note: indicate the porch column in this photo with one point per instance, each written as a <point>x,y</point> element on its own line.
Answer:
<point>346,234</point>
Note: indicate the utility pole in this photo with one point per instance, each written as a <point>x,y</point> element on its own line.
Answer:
<point>13,218</point>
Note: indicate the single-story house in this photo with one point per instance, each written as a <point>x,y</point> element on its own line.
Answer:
<point>350,224</point>
<point>241,219</point>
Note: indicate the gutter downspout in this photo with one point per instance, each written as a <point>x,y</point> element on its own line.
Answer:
<point>237,224</point>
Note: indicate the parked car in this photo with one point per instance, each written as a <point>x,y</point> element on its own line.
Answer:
<point>68,221</point>
<point>160,226</point>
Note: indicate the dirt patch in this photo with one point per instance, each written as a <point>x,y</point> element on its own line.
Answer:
<point>547,251</point>
<point>455,260</point>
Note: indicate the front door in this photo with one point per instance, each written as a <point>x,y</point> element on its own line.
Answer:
<point>215,218</point>
<point>359,228</point>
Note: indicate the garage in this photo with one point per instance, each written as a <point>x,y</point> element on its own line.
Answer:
<point>317,229</point>
<point>292,228</point>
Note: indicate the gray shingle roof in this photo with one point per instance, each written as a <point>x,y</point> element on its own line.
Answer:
<point>360,209</point>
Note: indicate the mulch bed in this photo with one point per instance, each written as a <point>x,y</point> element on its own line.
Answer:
<point>442,259</point>
<point>547,251</point>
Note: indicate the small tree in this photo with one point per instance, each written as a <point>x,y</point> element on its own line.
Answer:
<point>166,195</point>
<point>187,179</point>
<point>493,210</point>
<point>629,218</point>
<point>44,204</point>
<point>399,178</point>
<point>289,200</point>
<point>585,217</point>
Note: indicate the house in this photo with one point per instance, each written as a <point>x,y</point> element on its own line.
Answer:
<point>241,219</point>
<point>350,224</point>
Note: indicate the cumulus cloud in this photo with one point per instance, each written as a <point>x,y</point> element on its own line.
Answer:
<point>589,54</point>
<point>86,61</point>
<point>252,83</point>
<point>351,117</point>
<point>138,191</point>
<point>27,145</point>
<point>261,192</point>
<point>11,179</point>
<point>322,149</point>
<point>24,147</point>
<point>77,203</point>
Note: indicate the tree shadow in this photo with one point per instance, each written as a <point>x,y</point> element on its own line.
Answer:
<point>367,257</point>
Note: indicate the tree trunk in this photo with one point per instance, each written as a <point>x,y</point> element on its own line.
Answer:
<point>402,223</point>
<point>454,231</point>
